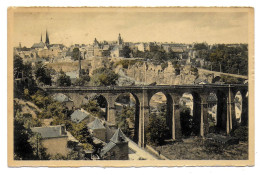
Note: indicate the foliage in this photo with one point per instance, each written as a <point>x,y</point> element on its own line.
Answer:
<point>213,148</point>
<point>200,46</point>
<point>94,108</point>
<point>164,65</point>
<point>76,54</point>
<point>231,59</point>
<point>42,74</point>
<point>157,130</point>
<point>56,111</point>
<point>126,51</point>
<point>231,80</point>
<point>29,121</point>
<point>241,133</point>
<point>63,80</point>
<point>104,77</point>
<point>126,63</point>
<point>41,99</point>
<point>123,118</point>
<point>194,70</point>
<point>23,72</point>
<point>188,125</point>
<point>186,121</point>
<point>81,133</point>
<point>22,148</point>
<point>26,143</point>
<point>83,80</point>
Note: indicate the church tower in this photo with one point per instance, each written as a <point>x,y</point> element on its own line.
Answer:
<point>119,40</point>
<point>47,41</point>
<point>41,37</point>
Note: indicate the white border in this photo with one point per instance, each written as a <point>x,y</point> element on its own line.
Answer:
<point>194,170</point>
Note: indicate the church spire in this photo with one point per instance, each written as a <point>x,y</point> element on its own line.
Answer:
<point>41,37</point>
<point>119,40</point>
<point>47,41</point>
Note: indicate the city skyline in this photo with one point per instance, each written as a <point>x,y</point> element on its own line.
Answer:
<point>69,28</point>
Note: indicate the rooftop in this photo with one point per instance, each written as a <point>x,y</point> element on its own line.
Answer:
<point>79,115</point>
<point>50,131</point>
<point>61,97</point>
<point>96,124</point>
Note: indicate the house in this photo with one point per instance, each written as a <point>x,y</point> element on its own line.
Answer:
<point>97,129</point>
<point>117,148</point>
<point>74,75</point>
<point>117,51</point>
<point>79,115</point>
<point>200,81</point>
<point>54,139</point>
<point>64,100</point>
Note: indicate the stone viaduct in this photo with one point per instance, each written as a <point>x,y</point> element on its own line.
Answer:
<point>226,119</point>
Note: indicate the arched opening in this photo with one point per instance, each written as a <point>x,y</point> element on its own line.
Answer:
<point>244,114</point>
<point>212,101</point>
<point>96,105</point>
<point>159,124</point>
<point>238,107</point>
<point>221,113</point>
<point>189,114</point>
<point>126,114</point>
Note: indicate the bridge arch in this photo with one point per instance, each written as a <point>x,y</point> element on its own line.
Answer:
<point>128,104</point>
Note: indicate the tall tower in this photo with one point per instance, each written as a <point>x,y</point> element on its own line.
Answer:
<point>119,40</point>
<point>47,41</point>
<point>41,37</point>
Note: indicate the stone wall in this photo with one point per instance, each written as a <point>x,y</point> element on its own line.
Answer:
<point>150,73</point>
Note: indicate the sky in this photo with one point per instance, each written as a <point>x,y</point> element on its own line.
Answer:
<point>82,26</point>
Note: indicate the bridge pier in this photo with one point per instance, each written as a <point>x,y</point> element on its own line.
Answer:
<point>111,109</point>
<point>144,108</point>
<point>175,121</point>
<point>231,116</point>
<point>204,125</point>
<point>244,113</point>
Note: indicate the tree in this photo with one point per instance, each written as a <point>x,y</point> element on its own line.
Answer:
<point>22,148</point>
<point>186,121</point>
<point>93,107</point>
<point>63,80</point>
<point>123,118</point>
<point>157,130</point>
<point>23,73</point>
<point>159,57</point>
<point>200,46</point>
<point>81,133</point>
<point>126,51</point>
<point>76,54</point>
<point>26,143</point>
<point>41,99</point>
<point>83,80</point>
<point>104,77</point>
<point>42,74</point>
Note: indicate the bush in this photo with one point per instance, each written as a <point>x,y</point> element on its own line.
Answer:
<point>241,133</point>
<point>213,148</point>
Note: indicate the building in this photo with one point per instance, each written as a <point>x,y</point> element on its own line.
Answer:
<point>64,100</point>
<point>97,129</point>
<point>54,139</point>
<point>79,115</point>
<point>117,51</point>
<point>117,148</point>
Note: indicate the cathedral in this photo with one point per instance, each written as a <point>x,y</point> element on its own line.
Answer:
<point>47,50</point>
<point>41,44</point>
